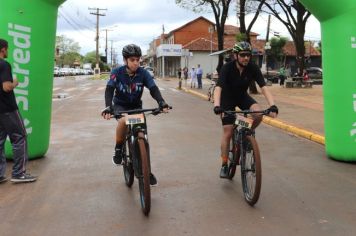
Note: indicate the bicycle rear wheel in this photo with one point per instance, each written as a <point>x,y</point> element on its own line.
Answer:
<point>144,176</point>
<point>251,171</point>
<point>235,157</point>
<point>127,165</point>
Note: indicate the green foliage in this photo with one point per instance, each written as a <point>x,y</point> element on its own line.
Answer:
<point>68,51</point>
<point>319,47</point>
<point>70,57</point>
<point>241,37</point>
<point>277,44</point>
<point>90,57</point>
<point>65,44</point>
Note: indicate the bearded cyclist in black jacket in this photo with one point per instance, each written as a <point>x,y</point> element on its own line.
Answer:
<point>231,91</point>
<point>124,91</point>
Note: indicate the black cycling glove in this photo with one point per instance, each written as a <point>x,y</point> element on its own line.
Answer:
<point>274,109</point>
<point>162,104</point>
<point>107,110</point>
<point>218,110</point>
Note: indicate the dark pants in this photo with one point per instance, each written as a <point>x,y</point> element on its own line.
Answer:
<point>12,126</point>
<point>199,76</point>
<point>281,80</point>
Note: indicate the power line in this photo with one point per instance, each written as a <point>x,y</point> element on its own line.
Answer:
<point>81,26</point>
<point>76,28</point>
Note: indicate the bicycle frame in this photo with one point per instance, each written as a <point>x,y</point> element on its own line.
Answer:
<point>137,157</point>
<point>250,166</point>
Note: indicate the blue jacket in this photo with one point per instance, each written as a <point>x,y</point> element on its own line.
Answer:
<point>128,91</point>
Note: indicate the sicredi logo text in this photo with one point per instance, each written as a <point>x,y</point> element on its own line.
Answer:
<point>21,36</point>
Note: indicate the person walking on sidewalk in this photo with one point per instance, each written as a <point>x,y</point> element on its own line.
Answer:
<point>199,76</point>
<point>179,72</point>
<point>193,77</point>
<point>11,123</point>
<point>231,91</point>
<point>282,76</point>
<point>185,74</point>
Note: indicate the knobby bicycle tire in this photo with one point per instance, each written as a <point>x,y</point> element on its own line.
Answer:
<point>128,165</point>
<point>251,171</point>
<point>235,149</point>
<point>144,179</point>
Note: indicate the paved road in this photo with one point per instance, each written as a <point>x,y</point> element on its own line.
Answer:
<point>80,192</point>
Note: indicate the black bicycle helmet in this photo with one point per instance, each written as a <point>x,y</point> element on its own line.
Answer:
<point>131,50</point>
<point>241,46</point>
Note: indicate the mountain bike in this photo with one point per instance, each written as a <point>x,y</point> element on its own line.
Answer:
<point>136,153</point>
<point>211,91</point>
<point>245,152</point>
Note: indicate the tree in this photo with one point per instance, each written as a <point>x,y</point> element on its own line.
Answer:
<point>294,16</point>
<point>70,57</point>
<point>220,8</point>
<point>245,7</point>
<point>66,49</point>
<point>276,51</point>
<point>90,57</point>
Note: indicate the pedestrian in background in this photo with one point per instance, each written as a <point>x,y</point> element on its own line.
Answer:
<point>193,77</point>
<point>199,76</point>
<point>185,74</point>
<point>11,123</point>
<point>282,76</point>
<point>305,75</point>
<point>179,73</point>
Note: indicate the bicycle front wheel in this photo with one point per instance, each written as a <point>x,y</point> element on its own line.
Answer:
<point>127,165</point>
<point>251,171</point>
<point>235,157</point>
<point>144,177</point>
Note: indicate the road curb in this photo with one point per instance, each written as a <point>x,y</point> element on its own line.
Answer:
<point>277,123</point>
<point>195,93</point>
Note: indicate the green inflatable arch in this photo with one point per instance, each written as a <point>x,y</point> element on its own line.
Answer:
<point>338,27</point>
<point>30,29</point>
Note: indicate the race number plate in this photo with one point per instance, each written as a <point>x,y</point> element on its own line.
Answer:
<point>135,119</point>
<point>243,121</point>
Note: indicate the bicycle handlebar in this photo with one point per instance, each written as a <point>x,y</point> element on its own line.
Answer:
<point>245,112</point>
<point>154,111</point>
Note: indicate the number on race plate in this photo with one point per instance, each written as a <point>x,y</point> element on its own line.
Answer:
<point>243,121</point>
<point>135,119</point>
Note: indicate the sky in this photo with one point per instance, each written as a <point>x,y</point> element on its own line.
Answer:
<point>141,21</point>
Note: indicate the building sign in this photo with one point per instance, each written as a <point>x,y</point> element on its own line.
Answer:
<point>169,50</point>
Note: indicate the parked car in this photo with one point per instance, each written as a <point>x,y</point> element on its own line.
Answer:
<point>315,74</point>
<point>56,71</point>
<point>150,70</point>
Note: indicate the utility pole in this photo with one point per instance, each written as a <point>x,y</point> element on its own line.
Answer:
<point>97,13</point>
<point>106,44</point>
<point>111,53</point>
<point>267,46</point>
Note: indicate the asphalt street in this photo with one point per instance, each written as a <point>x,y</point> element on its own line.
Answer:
<point>80,192</point>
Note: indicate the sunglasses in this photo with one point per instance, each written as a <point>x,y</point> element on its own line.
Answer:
<point>245,54</point>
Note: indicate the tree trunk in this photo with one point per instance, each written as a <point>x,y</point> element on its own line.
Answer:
<point>220,35</point>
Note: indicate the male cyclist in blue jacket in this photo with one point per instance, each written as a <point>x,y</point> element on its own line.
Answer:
<point>124,91</point>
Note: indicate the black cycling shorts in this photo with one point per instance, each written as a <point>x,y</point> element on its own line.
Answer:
<point>244,104</point>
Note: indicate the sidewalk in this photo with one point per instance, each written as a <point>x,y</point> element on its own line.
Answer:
<point>301,109</point>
